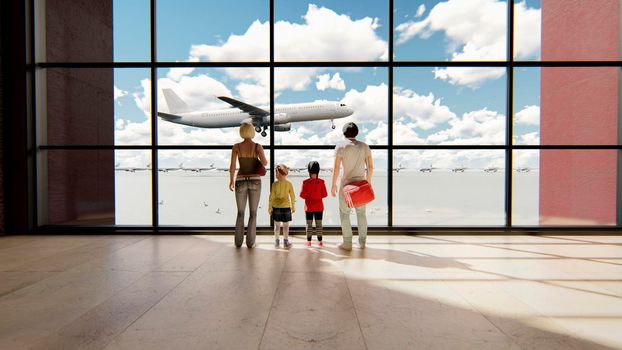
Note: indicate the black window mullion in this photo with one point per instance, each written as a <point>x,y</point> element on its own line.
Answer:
<point>272,22</point>
<point>154,122</point>
<point>31,69</point>
<point>389,183</point>
<point>509,127</point>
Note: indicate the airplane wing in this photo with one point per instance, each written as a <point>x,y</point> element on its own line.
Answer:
<point>250,109</point>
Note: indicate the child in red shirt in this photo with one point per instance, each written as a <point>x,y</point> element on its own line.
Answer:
<point>313,190</point>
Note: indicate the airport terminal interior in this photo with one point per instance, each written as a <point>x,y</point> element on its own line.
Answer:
<point>489,131</point>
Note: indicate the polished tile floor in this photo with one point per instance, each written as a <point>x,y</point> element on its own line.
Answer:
<point>402,292</point>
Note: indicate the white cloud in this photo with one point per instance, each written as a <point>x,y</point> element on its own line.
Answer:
<point>477,27</point>
<point>532,138</point>
<point>118,93</point>
<point>476,127</point>
<point>526,158</point>
<point>296,79</point>
<point>132,133</point>
<point>530,115</point>
<point>370,105</point>
<point>324,35</point>
<point>253,93</point>
<point>420,10</point>
<point>253,45</point>
<point>527,31</point>
<point>424,112</point>
<point>472,77</point>
<point>424,119</point>
<point>405,133</point>
<point>324,82</point>
<point>177,73</point>
<point>377,134</point>
<point>476,31</point>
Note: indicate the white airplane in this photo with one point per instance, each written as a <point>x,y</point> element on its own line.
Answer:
<point>398,168</point>
<point>240,112</point>
<point>427,170</point>
<point>460,169</point>
<point>118,167</point>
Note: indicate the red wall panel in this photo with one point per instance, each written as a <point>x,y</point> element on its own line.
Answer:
<point>579,106</point>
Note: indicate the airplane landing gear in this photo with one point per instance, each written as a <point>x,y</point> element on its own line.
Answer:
<point>258,129</point>
<point>332,124</point>
<point>264,133</point>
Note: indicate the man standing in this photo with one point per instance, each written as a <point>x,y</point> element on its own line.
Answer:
<point>357,165</point>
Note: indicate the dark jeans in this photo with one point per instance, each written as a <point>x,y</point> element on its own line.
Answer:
<point>246,190</point>
<point>317,215</point>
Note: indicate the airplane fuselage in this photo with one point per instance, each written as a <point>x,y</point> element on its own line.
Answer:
<point>284,114</point>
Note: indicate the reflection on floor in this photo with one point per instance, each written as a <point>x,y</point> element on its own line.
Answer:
<point>199,292</point>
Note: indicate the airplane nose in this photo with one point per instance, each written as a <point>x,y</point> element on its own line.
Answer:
<point>349,111</point>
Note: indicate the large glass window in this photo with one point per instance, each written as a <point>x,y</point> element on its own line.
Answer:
<point>449,106</point>
<point>448,188</point>
<point>482,113</point>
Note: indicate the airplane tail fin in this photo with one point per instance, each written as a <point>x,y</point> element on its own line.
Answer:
<point>174,102</point>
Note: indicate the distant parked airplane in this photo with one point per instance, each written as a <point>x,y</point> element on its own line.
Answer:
<point>398,168</point>
<point>199,169</point>
<point>118,167</point>
<point>427,170</point>
<point>459,169</point>
<point>523,170</point>
<point>491,170</point>
<point>166,170</point>
<point>180,113</point>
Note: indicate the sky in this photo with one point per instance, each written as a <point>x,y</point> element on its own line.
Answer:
<point>432,105</point>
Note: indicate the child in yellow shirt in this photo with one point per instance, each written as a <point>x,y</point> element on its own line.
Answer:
<point>282,205</point>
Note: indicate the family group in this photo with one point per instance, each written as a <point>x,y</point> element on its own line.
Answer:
<point>247,166</point>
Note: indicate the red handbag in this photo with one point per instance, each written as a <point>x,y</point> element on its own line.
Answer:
<point>358,193</point>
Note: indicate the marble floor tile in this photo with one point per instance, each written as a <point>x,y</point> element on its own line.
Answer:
<point>97,327</point>
<point>12,281</point>
<point>421,315</point>
<point>38,310</point>
<point>14,257</point>
<point>312,310</point>
<point>222,305</point>
<point>606,331</point>
<point>97,248</point>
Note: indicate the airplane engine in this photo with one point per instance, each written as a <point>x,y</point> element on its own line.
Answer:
<point>281,118</point>
<point>283,127</point>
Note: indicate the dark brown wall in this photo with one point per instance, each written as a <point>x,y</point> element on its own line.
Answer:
<point>80,110</point>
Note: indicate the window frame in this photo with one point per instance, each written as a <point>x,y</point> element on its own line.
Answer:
<point>153,64</point>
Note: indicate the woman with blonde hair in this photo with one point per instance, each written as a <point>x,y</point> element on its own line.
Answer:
<point>247,185</point>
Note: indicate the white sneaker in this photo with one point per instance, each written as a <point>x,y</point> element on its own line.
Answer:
<point>344,246</point>
<point>362,245</point>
